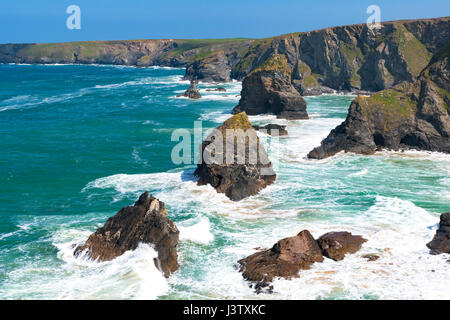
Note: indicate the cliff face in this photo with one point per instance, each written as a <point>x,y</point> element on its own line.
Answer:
<point>207,59</point>
<point>408,116</point>
<point>352,58</point>
<point>213,68</point>
<point>347,58</point>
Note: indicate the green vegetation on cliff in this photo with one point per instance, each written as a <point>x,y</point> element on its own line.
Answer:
<point>277,62</point>
<point>414,52</point>
<point>391,101</point>
<point>238,121</point>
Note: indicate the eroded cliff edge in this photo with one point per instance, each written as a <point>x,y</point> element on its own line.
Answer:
<point>345,58</point>
<point>408,116</point>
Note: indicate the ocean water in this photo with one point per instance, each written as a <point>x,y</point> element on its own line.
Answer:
<point>80,142</point>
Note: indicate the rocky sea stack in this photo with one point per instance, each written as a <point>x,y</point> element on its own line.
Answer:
<point>290,255</point>
<point>285,259</point>
<point>441,240</point>
<point>408,116</point>
<point>234,167</point>
<point>145,222</point>
<point>268,90</point>
<point>192,92</point>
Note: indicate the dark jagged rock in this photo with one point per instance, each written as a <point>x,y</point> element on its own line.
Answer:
<point>213,68</point>
<point>285,259</point>
<point>335,245</point>
<point>281,130</point>
<point>268,90</point>
<point>245,173</point>
<point>408,116</point>
<point>371,257</point>
<point>441,240</point>
<point>145,222</point>
<point>218,89</point>
<point>192,92</point>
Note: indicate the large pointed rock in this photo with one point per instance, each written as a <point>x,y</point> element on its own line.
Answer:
<point>441,240</point>
<point>192,92</point>
<point>145,222</point>
<point>236,165</point>
<point>268,90</point>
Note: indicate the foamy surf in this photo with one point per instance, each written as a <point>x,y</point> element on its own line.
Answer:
<point>196,231</point>
<point>391,198</point>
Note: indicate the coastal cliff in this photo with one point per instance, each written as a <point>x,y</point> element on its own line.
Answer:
<point>197,55</point>
<point>345,58</point>
<point>352,58</point>
<point>408,116</point>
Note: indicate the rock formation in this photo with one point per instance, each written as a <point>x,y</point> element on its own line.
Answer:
<point>192,92</point>
<point>441,240</point>
<point>285,259</point>
<point>145,222</point>
<point>234,167</point>
<point>335,245</point>
<point>352,58</point>
<point>281,130</point>
<point>268,90</point>
<point>408,116</point>
<point>290,255</point>
<point>213,68</point>
<point>218,89</point>
<point>345,58</point>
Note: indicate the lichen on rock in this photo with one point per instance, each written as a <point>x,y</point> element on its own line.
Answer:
<point>233,160</point>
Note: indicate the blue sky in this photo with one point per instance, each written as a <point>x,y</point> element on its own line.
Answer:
<point>45,20</point>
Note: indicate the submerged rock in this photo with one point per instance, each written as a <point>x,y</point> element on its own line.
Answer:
<point>271,129</point>
<point>408,116</point>
<point>371,257</point>
<point>237,168</point>
<point>268,90</point>
<point>290,255</point>
<point>441,240</point>
<point>285,259</point>
<point>218,89</point>
<point>145,222</point>
<point>335,245</point>
<point>192,92</point>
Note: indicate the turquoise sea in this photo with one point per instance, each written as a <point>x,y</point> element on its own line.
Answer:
<point>80,142</point>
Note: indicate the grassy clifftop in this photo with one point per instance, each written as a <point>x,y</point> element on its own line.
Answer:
<point>341,58</point>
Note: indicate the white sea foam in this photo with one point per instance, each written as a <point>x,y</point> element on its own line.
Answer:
<point>360,173</point>
<point>196,231</point>
<point>167,80</point>
<point>132,275</point>
<point>397,230</point>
